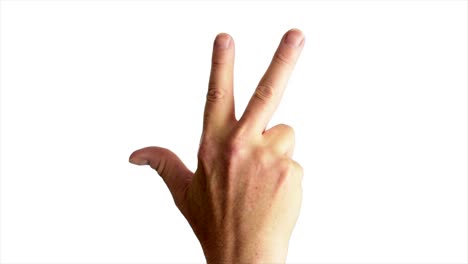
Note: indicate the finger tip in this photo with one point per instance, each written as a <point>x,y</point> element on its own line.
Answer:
<point>296,30</point>
<point>137,160</point>
<point>223,34</point>
<point>294,37</point>
<point>223,40</point>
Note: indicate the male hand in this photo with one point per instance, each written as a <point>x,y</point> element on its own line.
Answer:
<point>243,200</point>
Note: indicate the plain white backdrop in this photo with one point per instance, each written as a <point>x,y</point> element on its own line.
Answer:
<point>378,101</point>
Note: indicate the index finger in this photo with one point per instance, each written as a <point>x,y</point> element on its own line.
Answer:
<point>270,89</point>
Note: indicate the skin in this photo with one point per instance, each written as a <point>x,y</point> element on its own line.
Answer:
<point>243,200</point>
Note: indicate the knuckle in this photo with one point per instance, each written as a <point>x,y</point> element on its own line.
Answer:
<point>282,59</point>
<point>233,148</point>
<point>300,170</point>
<point>236,145</point>
<point>218,61</point>
<point>287,129</point>
<point>207,155</point>
<point>205,151</point>
<point>214,93</point>
<point>202,152</point>
<point>265,90</point>
<point>297,170</point>
<point>291,135</point>
<point>284,170</point>
<point>281,133</point>
<point>263,155</point>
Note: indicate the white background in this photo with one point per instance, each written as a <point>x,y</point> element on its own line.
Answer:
<point>378,101</point>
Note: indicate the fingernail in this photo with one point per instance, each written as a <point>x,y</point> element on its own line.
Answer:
<point>222,41</point>
<point>138,161</point>
<point>294,38</point>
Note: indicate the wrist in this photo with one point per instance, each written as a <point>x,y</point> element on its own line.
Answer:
<point>240,251</point>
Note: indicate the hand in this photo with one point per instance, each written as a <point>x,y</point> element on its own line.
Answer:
<point>243,200</point>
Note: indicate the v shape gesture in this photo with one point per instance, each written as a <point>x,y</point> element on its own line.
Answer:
<point>243,200</point>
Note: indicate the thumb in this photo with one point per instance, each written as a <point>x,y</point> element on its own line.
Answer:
<point>173,171</point>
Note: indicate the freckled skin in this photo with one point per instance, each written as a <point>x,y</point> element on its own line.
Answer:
<point>244,199</point>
